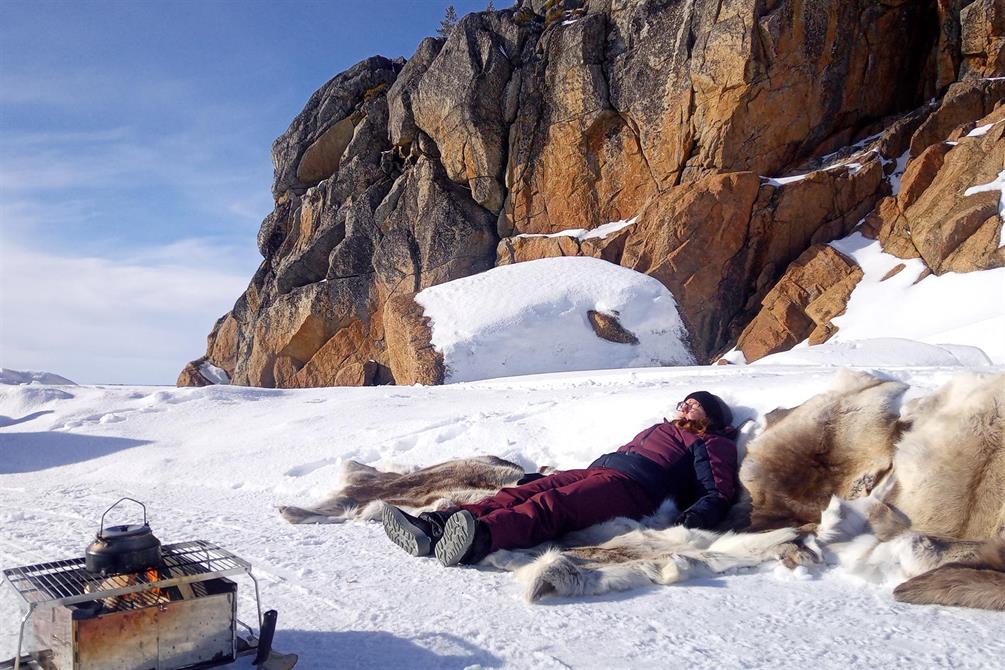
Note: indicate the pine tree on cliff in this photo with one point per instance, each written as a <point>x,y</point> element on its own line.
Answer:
<point>449,21</point>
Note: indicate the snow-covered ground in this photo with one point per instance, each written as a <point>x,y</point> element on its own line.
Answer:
<point>214,463</point>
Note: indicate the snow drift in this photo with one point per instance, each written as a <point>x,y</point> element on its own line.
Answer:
<point>531,318</point>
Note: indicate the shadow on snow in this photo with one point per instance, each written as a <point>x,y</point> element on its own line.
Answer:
<point>30,452</point>
<point>6,421</point>
<point>320,650</point>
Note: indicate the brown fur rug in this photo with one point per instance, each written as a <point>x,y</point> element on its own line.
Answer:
<point>975,583</point>
<point>362,488</point>
<point>922,492</point>
<point>950,463</point>
<point>837,443</point>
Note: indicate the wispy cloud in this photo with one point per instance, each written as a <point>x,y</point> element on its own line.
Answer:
<point>128,145</point>
<point>88,87</point>
<point>100,320</point>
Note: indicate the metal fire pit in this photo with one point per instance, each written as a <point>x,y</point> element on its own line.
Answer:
<point>179,615</point>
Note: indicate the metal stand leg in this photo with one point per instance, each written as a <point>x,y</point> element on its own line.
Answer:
<point>20,637</point>
<point>258,600</point>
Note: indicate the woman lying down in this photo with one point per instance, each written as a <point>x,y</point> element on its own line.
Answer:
<point>691,459</point>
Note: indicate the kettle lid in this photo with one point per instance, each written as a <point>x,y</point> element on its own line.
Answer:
<point>129,530</point>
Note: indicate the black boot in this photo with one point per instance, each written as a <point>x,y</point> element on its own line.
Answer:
<point>465,540</point>
<point>415,535</point>
<point>436,521</point>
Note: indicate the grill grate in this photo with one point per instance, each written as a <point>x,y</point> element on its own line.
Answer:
<point>68,582</point>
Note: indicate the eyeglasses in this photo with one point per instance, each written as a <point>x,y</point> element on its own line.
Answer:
<point>686,405</point>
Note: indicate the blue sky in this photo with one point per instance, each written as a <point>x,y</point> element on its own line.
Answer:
<point>135,163</point>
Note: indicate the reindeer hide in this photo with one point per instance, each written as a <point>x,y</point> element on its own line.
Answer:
<point>361,488</point>
<point>837,443</point>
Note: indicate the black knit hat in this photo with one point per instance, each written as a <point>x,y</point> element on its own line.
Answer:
<point>716,409</point>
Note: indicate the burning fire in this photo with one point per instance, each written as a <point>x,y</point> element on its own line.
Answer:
<point>140,599</point>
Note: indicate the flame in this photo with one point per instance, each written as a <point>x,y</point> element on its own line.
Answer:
<point>152,575</point>
<point>140,599</point>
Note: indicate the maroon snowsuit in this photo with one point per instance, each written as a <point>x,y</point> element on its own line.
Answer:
<point>700,473</point>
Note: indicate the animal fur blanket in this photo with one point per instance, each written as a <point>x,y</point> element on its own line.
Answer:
<point>855,476</point>
<point>893,490</point>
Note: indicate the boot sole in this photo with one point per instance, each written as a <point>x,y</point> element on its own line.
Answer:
<point>403,533</point>
<point>458,534</point>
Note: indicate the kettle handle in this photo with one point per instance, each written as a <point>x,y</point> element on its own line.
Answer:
<point>102,529</point>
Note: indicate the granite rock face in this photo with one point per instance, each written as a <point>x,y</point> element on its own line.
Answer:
<point>738,136</point>
<point>982,38</point>
<point>412,357</point>
<point>814,289</point>
<point>311,148</point>
<point>456,102</point>
<point>432,232</point>
<point>942,215</point>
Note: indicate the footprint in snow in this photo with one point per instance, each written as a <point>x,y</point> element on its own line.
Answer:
<point>170,397</point>
<point>308,468</point>
<point>404,444</point>
<point>450,433</point>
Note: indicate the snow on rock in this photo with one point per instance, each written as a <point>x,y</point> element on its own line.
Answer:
<point>950,309</point>
<point>28,377</point>
<point>997,184</point>
<point>213,374</point>
<point>885,351</point>
<point>898,172</point>
<point>581,234</point>
<point>531,317</point>
<point>980,131</point>
<point>853,166</point>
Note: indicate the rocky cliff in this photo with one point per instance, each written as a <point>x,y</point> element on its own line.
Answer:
<point>683,116</point>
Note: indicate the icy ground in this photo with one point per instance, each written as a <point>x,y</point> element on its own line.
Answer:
<point>214,463</point>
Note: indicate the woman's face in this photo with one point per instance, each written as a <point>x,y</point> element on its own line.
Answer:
<point>691,410</point>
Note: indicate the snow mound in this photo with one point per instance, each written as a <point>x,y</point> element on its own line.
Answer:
<point>29,376</point>
<point>531,317</point>
<point>882,351</point>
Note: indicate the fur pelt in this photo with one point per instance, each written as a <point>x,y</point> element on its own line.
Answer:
<point>872,540</point>
<point>950,464</point>
<point>979,583</point>
<point>361,488</point>
<point>837,443</point>
<point>933,519</point>
<point>612,556</point>
<point>622,554</point>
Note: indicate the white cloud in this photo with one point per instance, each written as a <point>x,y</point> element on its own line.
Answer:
<point>134,320</point>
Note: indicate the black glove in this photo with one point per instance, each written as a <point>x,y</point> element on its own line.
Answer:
<point>688,520</point>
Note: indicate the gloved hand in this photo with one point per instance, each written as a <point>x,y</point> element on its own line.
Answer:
<point>688,520</point>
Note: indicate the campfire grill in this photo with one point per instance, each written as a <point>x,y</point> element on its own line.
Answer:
<point>179,614</point>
